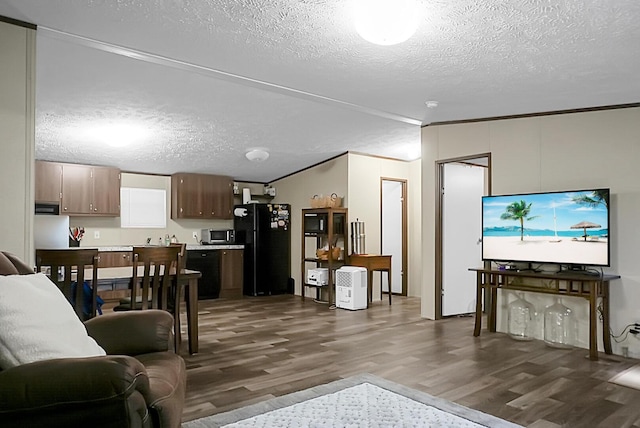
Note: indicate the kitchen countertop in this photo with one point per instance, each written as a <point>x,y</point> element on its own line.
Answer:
<point>189,247</point>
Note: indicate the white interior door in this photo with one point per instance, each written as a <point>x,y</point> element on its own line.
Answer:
<point>461,236</point>
<point>392,232</point>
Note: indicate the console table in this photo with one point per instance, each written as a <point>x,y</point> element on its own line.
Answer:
<point>373,262</point>
<point>590,287</point>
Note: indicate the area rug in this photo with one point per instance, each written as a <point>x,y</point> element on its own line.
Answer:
<point>629,378</point>
<point>356,402</point>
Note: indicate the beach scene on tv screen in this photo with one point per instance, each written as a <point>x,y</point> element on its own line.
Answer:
<point>562,227</point>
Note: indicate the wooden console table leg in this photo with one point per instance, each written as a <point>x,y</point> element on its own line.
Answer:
<point>389,281</point>
<point>493,299</point>
<point>478,325</point>
<point>606,326</point>
<point>593,318</point>
<point>369,286</point>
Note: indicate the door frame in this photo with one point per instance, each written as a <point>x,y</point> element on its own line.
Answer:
<point>469,160</point>
<point>405,229</point>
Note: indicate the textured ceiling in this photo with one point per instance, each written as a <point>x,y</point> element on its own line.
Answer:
<point>210,79</point>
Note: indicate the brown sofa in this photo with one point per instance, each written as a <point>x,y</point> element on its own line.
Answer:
<point>139,383</point>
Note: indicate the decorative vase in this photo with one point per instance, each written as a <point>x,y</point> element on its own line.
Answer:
<point>522,319</point>
<point>559,325</point>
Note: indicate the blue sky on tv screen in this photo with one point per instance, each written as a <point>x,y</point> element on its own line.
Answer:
<point>551,212</point>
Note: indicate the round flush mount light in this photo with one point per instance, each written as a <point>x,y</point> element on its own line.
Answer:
<point>112,132</point>
<point>257,155</point>
<point>431,104</point>
<point>386,22</point>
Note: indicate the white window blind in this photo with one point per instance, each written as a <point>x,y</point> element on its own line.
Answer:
<point>143,208</point>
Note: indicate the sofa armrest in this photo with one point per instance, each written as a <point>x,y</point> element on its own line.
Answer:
<point>71,390</point>
<point>133,332</point>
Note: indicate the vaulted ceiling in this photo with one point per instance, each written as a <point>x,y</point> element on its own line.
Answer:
<point>197,83</point>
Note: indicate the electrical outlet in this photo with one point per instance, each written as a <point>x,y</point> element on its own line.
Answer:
<point>96,234</point>
<point>195,235</point>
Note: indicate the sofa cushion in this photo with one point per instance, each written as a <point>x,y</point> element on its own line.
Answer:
<point>38,323</point>
<point>6,267</point>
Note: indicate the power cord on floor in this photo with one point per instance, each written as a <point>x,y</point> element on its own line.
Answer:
<point>630,328</point>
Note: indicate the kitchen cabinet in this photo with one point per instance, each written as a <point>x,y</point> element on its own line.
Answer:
<point>114,259</point>
<point>201,196</point>
<point>231,273</point>
<point>106,191</point>
<point>222,272</point>
<point>111,291</point>
<point>48,186</point>
<point>90,190</point>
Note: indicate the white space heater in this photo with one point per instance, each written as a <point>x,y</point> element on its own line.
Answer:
<point>351,287</point>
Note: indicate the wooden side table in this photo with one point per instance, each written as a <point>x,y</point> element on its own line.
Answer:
<point>373,262</point>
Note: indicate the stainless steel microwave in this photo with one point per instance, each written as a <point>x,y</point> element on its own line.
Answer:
<point>213,236</point>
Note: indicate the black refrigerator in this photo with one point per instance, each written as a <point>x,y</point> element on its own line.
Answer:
<point>265,231</point>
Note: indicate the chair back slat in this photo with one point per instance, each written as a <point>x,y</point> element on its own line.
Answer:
<point>157,265</point>
<point>65,267</point>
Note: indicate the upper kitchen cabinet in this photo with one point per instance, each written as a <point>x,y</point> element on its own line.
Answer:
<point>222,201</point>
<point>48,182</point>
<point>201,196</point>
<point>90,190</point>
<point>106,191</point>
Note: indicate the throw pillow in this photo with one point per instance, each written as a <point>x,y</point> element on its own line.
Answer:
<point>38,323</point>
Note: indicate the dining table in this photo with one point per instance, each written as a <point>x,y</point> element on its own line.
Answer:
<point>187,281</point>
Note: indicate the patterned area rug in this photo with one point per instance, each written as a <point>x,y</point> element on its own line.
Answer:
<point>356,402</point>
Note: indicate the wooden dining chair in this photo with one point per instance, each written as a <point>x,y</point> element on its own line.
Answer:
<point>155,280</point>
<point>66,268</point>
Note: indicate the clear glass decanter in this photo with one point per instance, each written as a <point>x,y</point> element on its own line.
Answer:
<point>559,325</point>
<point>522,319</point>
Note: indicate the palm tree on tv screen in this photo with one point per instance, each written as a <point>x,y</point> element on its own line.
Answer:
<point>518,211</point>
<point>593,199</point>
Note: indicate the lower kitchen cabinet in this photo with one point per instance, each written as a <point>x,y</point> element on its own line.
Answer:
<point>112,290</point>
<point>231,273</point>
<point>221,272</point>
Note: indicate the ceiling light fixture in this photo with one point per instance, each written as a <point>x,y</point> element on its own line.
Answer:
<point>257,155</point>
<point>112,132</point>
<point>386,22</point>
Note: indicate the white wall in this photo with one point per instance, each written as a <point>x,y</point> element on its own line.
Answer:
<point>17,110</point>
<point>557,152</point>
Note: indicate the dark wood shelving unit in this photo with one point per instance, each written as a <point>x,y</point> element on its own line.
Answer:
<point>335,233</point>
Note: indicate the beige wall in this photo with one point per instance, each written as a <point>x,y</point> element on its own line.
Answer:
<point>111,233</point>
<point>559,152</point>
<point>17,109</point>
<point>357,178</point>
<point>365,174</point>
<point>297,190</point>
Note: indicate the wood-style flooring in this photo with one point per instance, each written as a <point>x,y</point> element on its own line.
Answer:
<point>253,349</point>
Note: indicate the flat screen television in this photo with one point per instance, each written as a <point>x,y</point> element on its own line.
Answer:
<point>567,228</point>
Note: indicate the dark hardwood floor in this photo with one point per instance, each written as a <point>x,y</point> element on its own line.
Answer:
<point>253,349</point>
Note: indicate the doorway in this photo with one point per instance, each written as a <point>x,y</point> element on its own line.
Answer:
<point>461,183</point>
<point>393,223</point>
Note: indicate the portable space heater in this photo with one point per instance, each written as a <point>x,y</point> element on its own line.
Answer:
<point>351,287</point>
